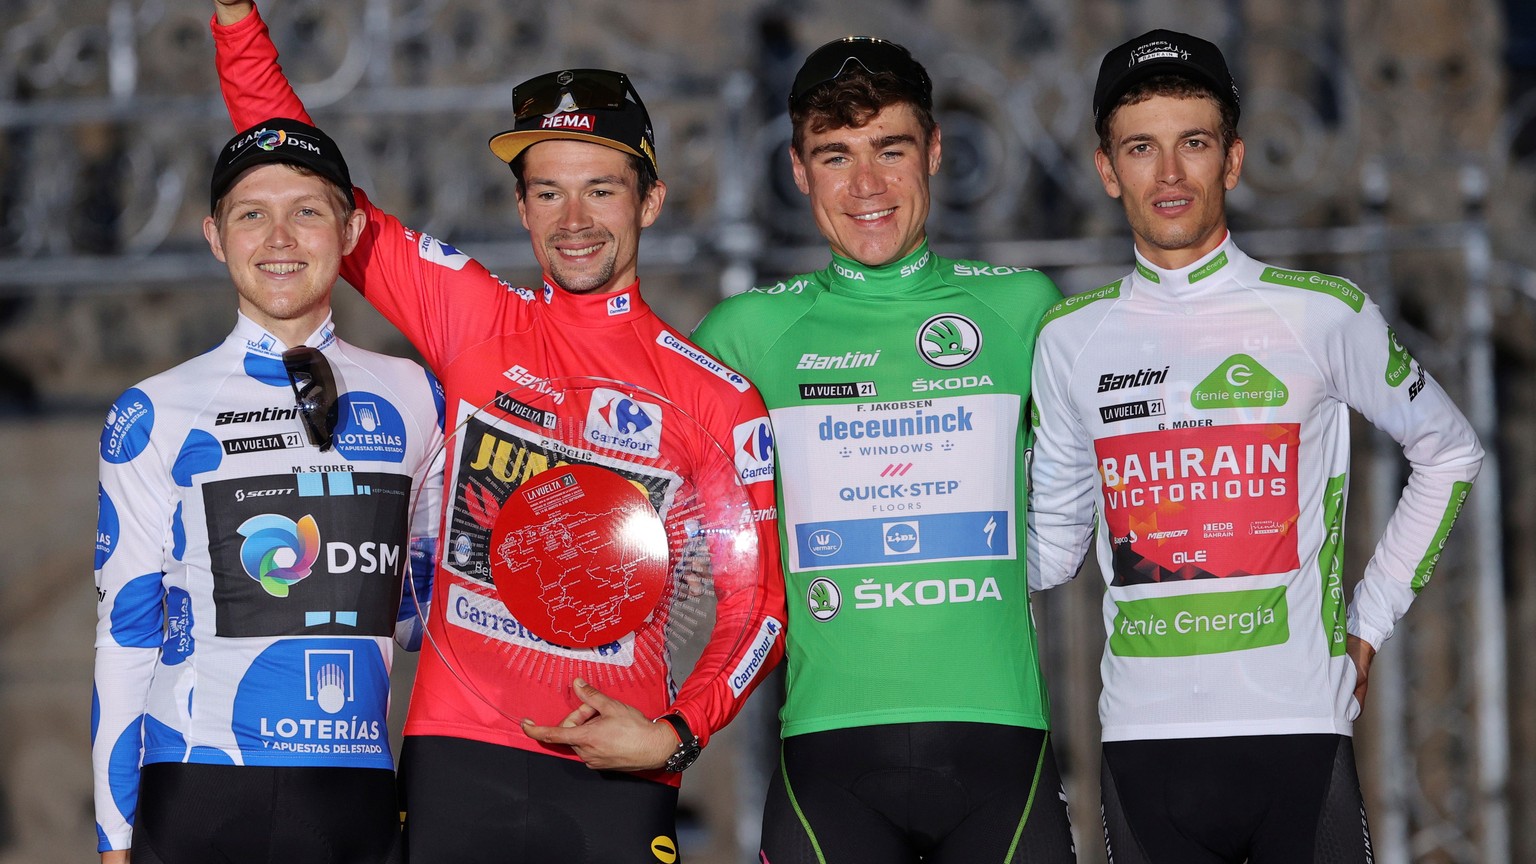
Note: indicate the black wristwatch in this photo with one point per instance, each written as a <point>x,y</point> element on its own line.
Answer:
<point>688,746</point>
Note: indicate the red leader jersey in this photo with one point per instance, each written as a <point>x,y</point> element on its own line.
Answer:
<point>501,354</point>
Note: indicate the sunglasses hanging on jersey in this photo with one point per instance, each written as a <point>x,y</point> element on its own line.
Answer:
<point>314,386</point>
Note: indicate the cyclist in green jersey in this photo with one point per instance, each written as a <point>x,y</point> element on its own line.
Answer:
<point>916,720</point>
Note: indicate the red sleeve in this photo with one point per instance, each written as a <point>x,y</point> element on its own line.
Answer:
<point>409,277</point>
<point>748,636</point>
<point>250,78</point>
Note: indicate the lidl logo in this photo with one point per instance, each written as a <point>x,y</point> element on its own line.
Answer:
<point>1239,382</point>
<point>901,538</point>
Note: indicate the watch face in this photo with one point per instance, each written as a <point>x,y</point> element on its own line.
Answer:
<point>687,752</point>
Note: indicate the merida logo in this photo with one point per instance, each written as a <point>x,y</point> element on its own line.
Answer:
<point>1239,382</point>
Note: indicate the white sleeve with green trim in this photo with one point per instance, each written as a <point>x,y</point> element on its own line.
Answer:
<point>1370,370</point>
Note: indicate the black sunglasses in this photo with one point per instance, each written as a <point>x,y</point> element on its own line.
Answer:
<point>314,386</point>
<point>830,62</point>
<point>587,88</point>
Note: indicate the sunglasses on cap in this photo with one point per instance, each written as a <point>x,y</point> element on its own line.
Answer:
<point>586,89</point>
<point>314,386</point>
<point>831,61</point>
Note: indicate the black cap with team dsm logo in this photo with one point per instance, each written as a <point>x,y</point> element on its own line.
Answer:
<point>595,105</point>
<point>1161,52</point>
<point>280,139</point>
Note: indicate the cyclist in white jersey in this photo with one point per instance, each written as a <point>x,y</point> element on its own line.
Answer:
<point>254,527</point>
<point>1197,411</point>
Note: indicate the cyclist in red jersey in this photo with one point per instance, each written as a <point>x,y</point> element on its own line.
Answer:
<point>477,784</point>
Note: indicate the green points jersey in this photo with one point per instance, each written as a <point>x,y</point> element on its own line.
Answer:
<point>897,395</point>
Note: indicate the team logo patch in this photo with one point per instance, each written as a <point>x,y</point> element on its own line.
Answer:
<point>278,552</point>
<point>901,538</point>
<point>620,422</point>
<point>437,252</point>
<point>754,450</point>
<point>619,304</point>
<point>1239,382</point>
<point>948,341</point>
<point>715,367</point>
<point>824,599</point>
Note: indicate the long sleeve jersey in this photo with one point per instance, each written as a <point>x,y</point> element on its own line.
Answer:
<point>1203,415</point>
<point>247,582</point>
<point>487,339</point>
<point>897,395</point>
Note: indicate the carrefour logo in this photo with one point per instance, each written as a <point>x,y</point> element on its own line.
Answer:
<point>277,551</point>
<point>824,599</point>
<point>754,450</point>
<point>625,415</point>
<point>948,341</point>
<point>620,422</point>
<point>901,538</point>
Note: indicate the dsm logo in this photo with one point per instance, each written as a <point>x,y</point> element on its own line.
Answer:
<point>948,341</point>
<point>901,538</point>
<point>619,422</point>
<point>278,552</point>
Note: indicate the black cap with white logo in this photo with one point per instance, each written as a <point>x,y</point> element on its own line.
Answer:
<point>1161,52</point>
<point>280,140</point>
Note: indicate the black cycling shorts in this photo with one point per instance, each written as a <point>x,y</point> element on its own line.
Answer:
<point>940,793</point>
<point>1267,799</point>
<point>468,802</point>
<point>228,814</point>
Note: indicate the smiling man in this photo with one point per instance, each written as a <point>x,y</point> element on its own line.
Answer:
<point>233,652</point>
<point>916,719</point>
<point>1197,411</point>
<point>507,756</point>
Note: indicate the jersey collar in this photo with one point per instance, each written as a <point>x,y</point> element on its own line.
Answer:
<point>258,340</point>
<point>593,310</point>
<point>915,270</point>
<point>1193,278</point>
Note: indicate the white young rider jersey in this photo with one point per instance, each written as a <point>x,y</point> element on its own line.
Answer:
<point>1203,415</point>
<point>248,584</point>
